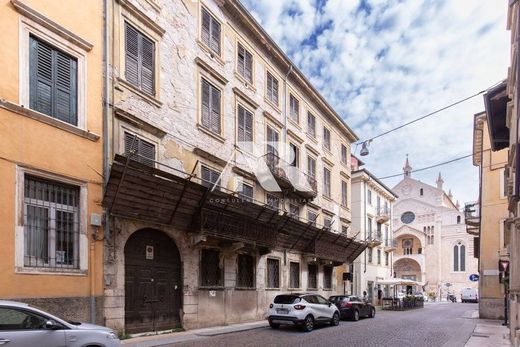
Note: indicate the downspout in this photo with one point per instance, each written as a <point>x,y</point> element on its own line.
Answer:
<point>284,133</point>
<point>365,221</point>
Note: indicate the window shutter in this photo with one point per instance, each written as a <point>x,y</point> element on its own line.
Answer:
<point>147,65</point>
<point>215,110</point>
<point>241,124</point>
<point>275,91</point>
<point>248,66</point>
<point>206,27</point>
<point>248,126</point>
<point>205,109</point>
<point>215,36</point>
<point>241,60</point>
<point>41,77</point>
<point>131,55</point>
<point>129,140</point>
<point>65,88</point>
<point>147,151</point>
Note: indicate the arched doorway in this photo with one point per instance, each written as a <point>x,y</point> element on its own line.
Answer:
<point>153,285</point>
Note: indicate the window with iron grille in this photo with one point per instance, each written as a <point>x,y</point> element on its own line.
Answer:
<point>209,177</point>
<point>245,128</point>
<point>272,140</point>
<point>139,60</point>
<point>311,124</point>
<point>369,250</point>
<point>211,274</point>
<point>210,107</point>
<point>273,201</point>
<point>272,88</point>
<point>326,138</point>
<point>51,224</point>
<point>140,150</point>
<point>246,271</point>
<point>344,193</point>
<point>53,82</point>
<point>245,191</point>
<point>327,277</point>
<point>326,182</point>
<point>312,216</point>
<point>294,211</point>
<point>273,273</point>
<point>210,33</point>
<point>294,106</point>
<point>245,63</point>
<point>294,274</point>
<point>312,276</point>
<point>344,154</point>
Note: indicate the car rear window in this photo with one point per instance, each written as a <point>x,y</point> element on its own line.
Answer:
<point>286,299</point>
<point>336,299</point>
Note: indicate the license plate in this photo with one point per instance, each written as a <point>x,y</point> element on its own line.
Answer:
<point>282,310</point>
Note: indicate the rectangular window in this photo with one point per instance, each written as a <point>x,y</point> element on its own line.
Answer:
<point>272,140</point>
<point>245,128</point>
<point>344,193</point>
<point>245,191</point>
<point>369,255</point>
<point>327,222</point>
<point>344,229</point>
<point>311,124</point>
<point>211,275</point>
<point>272,88</point>
<point>378,257</point>
<point>294,269</point>
<point>386,259</point>
<point>210,107</point>
<point>210,33</point>
<point>312,217</point>
<point>210,177</point>
<point>245,271</point>
<point>378,204</point>
<point>139,60</point>
<point>369,228</point>
<point>273,201</point>
<point>326,138</point>
<point>53,82</point>
<point>369,196</point>
<point>139,149</point>
<point>294,155</point>
<point>294,211</point>
<point>344,154</point>
<point>326,182</point>
<point>273,273</point>
<point>311,167</point>
<point>51,222</point>
<point>327,277</point>
<point>294,106</point>
<point>245,63</point>
<point>312,276</point>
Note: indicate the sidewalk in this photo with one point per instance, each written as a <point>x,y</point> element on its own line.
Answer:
<point>489,333</point>
<point>196,334</point>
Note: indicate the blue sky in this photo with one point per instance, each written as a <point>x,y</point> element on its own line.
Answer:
<point>381,63</point>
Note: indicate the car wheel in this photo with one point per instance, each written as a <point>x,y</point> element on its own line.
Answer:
<point>372,313</point>
<point>355,316</point>
<point>308,323</point>
<point>274,325</point>
<point>335,319</point>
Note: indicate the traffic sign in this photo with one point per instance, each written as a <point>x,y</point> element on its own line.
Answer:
<point>474,277</point>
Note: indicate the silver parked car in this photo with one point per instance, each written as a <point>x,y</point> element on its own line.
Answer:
<point>302,309</point>
<point>24,326</point>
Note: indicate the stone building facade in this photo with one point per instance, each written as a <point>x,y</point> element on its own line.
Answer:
<point>433,247</point>
<point>231,177</point>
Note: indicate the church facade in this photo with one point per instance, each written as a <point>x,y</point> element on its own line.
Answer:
<point>432,246</point>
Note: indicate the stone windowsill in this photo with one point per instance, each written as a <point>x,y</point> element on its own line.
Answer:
<point>51,271</point>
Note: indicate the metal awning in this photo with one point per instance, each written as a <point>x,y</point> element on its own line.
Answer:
<point>495,102</point>
<point>171,197</point>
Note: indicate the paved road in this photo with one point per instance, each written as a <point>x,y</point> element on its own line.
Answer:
<point>446,324</point>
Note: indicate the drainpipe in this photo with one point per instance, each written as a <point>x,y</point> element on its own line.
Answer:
<point>284,133</point>
<point>365,221</point>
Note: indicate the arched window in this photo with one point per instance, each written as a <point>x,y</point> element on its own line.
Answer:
<point>458,219</point>
<point>459,257</point>
<point>421,192</point>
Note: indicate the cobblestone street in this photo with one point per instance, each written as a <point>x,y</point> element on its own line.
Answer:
<point>434,326</point>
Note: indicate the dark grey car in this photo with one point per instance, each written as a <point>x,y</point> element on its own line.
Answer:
<point>352,307</point>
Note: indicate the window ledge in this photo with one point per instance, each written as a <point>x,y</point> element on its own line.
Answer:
<point>211,288</point>
<point>50,271</point>
<point>211,133</point>
<point>123,83</point>
<point>312,138</point>
<point>328,198</point>
<point>248,84</point>
<point>211,53</point>
<point>273,105</point>
<point>22,111</point>
<point>273,289</point>
<point>245,288</point>
<point>295,123</point>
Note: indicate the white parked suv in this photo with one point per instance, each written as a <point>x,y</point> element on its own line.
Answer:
<point>24,326</point>
<point>302,309</point>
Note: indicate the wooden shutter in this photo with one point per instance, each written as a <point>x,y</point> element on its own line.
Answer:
<point>41,77</point>
<point>65,88</point>
<point>215,110</point>
<point>205,104</point>
<point>248,124</point>
<point>241,124</point>
<point>147,65</point>
<point>215,36</point>
<point>206,27</point>
<point>131,55</point>
<point>248,66</point>
<point>241,56</point>
<point>131,144</point>
<point>146,152</point>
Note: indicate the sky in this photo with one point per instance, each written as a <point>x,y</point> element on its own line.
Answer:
<point>381,63</point>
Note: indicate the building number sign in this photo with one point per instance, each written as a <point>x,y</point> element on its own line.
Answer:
<point>149,252</point>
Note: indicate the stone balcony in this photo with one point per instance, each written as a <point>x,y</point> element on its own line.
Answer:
<point>383,215</point>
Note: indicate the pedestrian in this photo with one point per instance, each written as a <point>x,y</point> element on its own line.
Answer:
<point>365,296</point>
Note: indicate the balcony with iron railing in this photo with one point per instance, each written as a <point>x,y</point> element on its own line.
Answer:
<point>390,245</point>
<point>383,214</point>
<point>291,178</point>
<point>472,217</point>
<point>375,239</point>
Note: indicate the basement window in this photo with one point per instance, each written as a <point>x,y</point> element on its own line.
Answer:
<point>273,273</point>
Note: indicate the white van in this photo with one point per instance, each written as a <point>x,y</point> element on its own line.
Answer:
<point>469,295</point>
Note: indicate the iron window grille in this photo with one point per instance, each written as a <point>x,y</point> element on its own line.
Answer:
<point>51,224</point>
<point>327,277</point>
<point>294,269</point>
<point>245,271</point>
<point>312,276</point>
<point>273,273</point>
<point>211,273</point>
<point>211,31</point>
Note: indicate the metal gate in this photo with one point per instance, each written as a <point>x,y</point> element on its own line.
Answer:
<point>153,285</point>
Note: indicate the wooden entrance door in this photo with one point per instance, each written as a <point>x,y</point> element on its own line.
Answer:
<point>153,285</point>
